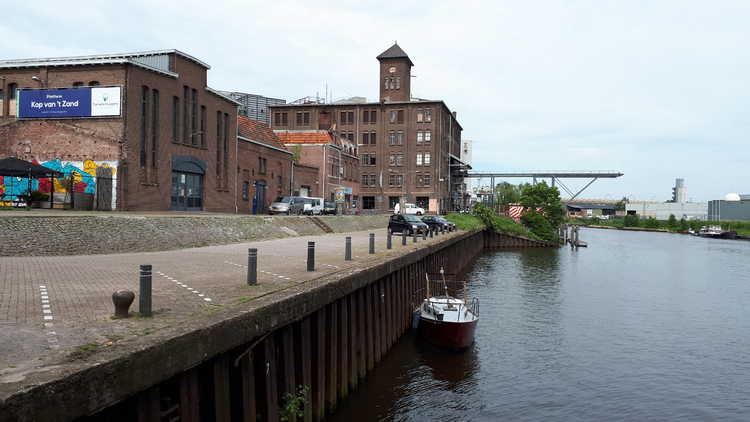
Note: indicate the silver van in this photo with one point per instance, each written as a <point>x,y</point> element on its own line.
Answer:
<point>287,205</point>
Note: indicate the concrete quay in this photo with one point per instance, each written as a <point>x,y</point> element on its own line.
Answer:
<point>57,334</point>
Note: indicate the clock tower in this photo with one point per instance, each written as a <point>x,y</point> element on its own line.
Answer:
<point>395,75</point>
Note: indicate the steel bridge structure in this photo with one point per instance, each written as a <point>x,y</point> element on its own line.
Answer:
<point>554,176</point>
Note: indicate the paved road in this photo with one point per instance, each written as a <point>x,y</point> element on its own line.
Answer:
<point>52,305</point>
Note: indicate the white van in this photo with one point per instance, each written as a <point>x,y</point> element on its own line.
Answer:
<point>313,206</point>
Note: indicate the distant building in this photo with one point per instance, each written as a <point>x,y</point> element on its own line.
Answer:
<point>590,209</point>
<point>253,106</point>
<point>722,210</point>
<point>662,210</point>
<point>679,191</point>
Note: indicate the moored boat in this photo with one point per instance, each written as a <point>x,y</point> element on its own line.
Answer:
<point>446,320</point>
<point>716,232</point>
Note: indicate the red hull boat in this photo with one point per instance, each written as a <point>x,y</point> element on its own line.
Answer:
<point>446,320</point>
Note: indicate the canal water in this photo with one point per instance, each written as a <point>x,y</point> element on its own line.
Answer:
<point>637,327</point>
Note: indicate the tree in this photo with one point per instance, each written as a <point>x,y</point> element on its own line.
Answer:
<point>651,223</point>
<point>506,193</point>
<point>672,221</point>
<point>684,226</point>
<point>620,206</point>
<point>539,225</point>
<point>630,221</point>
<point>546,198</point>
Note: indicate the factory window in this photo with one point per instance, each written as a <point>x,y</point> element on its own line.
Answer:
<point>226,148</point>
<point>427,136</point>
<point>176,119</point>
<point>245,190</point>
<point>12,91</point>
<point>368,202</point>
<point>420,116</point>
<point>202,132</point>
<point>303,118</point>
<point>186,134</point>
<point>194,118</point>
<point>94,83</point>
<point>395,179</point>
<point>144,125</point>
<point>154,128</point>
<point>218,143</point>
<point>261,165</point>
<point>427,158</point>
<point>427,115</point>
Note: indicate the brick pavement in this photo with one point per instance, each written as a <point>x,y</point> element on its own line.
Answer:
<point>76,290</point>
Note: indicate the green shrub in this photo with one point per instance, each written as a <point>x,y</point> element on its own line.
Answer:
<point>539,225</point>
<point>630,221</point>
<point>651,223</point>
<point>672,222</point>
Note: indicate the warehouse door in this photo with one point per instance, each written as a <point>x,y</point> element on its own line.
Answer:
<point>187,191</point>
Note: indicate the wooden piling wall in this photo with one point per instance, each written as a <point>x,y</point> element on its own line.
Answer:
<point>322,355</point>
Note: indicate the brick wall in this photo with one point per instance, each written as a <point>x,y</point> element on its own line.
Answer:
<point>277,176</point>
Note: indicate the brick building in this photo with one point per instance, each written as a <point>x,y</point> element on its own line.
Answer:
<point>336,159</point>
<point>172,143</point>
<point>409,149</point>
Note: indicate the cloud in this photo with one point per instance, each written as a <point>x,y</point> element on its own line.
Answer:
<point>655,89</point>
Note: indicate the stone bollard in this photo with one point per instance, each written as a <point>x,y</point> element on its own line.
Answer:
<point>122,300</point>
<point>144,294</point>
<point>252,266</point>
<point>389,241</point>
<point>310,256</point>
<point>372,243</point>
<point>348,249</point>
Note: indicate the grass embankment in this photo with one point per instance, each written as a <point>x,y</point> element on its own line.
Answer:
<point>741,227</point>
<point>499,224</point>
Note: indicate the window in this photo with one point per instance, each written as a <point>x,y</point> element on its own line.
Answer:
<point>276,119</point>
<point>1,94</point>
<point>144,125</point>
<point>368,159</point>
<point>194,118</point>
<point>154,127</point>
<point>427,136</point>
<point>185,115</point>
<point>392,116</point>
<point>387,84</point>
<point>427,158</point>
<point>400,137</point>
<point>94,83</point>
<point>261,165</point>
<point>245,190</point>
<point>280,180</point>
<point>175,119</point>
<point>77,84</point>
<point>420,116</point>
<point>369,116</point>
<point>396,137</point>
<point>398,82</point>
<point>427,115</point>
<point>303,118</point>
<point>202,132</point>
<point>400,118</point>
<point>12,91</point>
<point>284,119</point>
<point>347,117</point>
<point>392,201</point>
<point>218,143</point>
<point>426,180</point>
<point>368,202</point>
<point>396,160</point>
<point>226,148</point>
<point>420,137</point>
<point>365,138</point>
<point>419,159</point>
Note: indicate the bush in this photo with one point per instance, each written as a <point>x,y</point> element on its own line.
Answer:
<point>684,226</point>
<point>651,223</point>
<point>672,222</point>
<point>539,225</point>
<point>630,221</point>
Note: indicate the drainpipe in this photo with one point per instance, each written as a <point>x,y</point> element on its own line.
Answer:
<point>325,171</point>
<point>236,159</point>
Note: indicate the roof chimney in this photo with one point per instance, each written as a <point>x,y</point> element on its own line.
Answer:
<point>454,115</point>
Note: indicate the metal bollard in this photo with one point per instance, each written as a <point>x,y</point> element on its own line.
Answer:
<point>144,294</point>
<point>414,237</point>
<point>310,256</point>
<point>389,241</point>
<point>122,300</point>
<point>252,266</point>
<point>403,238</point>
<point>424,235</point>
<point>348,249</point>
<point>431,230</point>
<point>372,243</point>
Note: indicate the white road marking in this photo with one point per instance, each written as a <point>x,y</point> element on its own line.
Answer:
<point>188,288</point>
<point>52,340</point>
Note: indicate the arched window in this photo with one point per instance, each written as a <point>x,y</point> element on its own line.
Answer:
<point>94,83</point>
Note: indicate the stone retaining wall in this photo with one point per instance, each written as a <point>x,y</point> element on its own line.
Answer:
<point>111,233</point>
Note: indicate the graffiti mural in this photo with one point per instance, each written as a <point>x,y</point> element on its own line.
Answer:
<point>98,178</point>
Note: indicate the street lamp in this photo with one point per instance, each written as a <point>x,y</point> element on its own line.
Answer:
<point>41,82</point>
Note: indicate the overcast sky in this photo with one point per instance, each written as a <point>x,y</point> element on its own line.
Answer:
<point>654,89</point>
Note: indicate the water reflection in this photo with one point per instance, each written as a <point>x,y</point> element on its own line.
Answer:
<point>454,368</point>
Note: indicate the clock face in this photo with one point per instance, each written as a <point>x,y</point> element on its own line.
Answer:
<point>392,69</point>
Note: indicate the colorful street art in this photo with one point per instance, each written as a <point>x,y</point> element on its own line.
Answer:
<point>84,174</point>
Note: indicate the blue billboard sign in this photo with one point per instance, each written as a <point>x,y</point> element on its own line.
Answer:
<point>66,103</point>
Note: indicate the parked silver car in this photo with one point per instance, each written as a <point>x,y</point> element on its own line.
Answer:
<point>287,205</point>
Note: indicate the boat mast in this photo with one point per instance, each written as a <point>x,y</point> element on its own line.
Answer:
<point>427,294</point>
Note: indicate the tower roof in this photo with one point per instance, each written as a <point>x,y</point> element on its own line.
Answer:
<point>395,52</point>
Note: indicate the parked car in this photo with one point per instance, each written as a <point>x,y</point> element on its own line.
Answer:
<point>438,223</point>
<point>313,206</point>
<point>329,208</point>
<point>407,225</point>
<point>287,205</point>
<point>412,209</point>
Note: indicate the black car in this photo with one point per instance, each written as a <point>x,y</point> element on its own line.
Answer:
<point>407,225</point>
<point>438,223</point>
<point>329,208</point>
